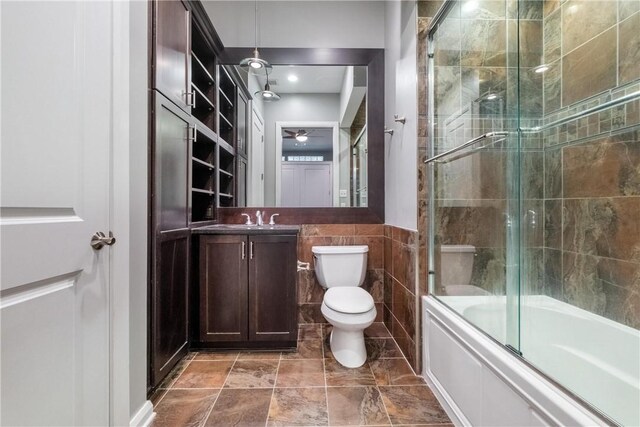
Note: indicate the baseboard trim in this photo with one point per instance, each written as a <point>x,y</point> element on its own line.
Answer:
<point>144,416</point>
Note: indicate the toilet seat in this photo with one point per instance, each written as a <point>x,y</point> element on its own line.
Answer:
<point>348,300</point>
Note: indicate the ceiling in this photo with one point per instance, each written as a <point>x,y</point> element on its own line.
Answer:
<point>320,139</point>
<point>311,79</point>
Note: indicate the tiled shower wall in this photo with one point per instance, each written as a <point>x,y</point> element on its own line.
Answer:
<point>590,254</point>
<point>581,180</point>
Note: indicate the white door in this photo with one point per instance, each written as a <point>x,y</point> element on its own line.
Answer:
<point>306,184</point>
<point>255,192</point>
<point>316,185</point>
<point>290,193</point>
<point>55,186</point>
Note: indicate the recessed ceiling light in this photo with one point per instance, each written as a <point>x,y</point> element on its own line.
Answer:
<point>541,69</point>
<point>292,78</point>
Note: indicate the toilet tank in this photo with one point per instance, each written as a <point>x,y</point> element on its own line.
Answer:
<point>340,265</point>
<point>456,264</point>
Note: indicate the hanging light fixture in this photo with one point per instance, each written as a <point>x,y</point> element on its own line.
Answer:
<point>255,64</point>
<point>267,94</point>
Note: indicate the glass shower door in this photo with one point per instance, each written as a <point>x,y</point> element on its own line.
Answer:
<point>580,237</point>
<point>473,165</point>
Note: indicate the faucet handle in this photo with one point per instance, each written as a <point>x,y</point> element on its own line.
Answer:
<point>248,219</point>
<point>272,221</point>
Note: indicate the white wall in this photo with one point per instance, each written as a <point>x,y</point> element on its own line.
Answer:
<point>401,149</point>
<point>292,108</point>
<point>299,23</point>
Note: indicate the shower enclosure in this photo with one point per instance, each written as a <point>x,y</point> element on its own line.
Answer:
<point>534,186</point>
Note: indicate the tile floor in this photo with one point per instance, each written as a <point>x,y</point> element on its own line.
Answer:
<point>306,388</point>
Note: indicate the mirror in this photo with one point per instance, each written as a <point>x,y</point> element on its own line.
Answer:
<point>308,149</point>
<point>362,203</point>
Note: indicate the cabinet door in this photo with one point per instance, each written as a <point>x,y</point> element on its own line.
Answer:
<point>170,163</point>
<point>223,288</point>
<point>272,288</point>
<point>172,48</point>
<point>169,302</point>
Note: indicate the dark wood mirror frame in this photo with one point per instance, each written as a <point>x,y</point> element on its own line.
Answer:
<point>373,59</point>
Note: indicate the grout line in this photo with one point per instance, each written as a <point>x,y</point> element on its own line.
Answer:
<point>204,420</point>
<point>169,386</point>
<point>324,372</point>
<point>273,390</point>
<point>386,411</point>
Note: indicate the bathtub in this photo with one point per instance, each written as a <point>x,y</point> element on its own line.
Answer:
<point>481,383</point>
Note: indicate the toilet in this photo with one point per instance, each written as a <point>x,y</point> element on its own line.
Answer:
<point>349,308</point>
<point>456,266</point>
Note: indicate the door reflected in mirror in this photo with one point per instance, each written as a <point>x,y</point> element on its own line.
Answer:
<point>309,149</point>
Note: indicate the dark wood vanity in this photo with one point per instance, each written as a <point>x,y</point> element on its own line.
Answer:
<point>247,286</point>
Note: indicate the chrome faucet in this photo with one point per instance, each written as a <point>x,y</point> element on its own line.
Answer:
<point>259,220</point>
<point>248,219</point>
<point>272,220</point>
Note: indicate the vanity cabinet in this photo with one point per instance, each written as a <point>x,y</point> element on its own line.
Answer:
<point>247,289</point>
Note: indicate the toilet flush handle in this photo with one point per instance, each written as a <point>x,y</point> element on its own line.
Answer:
<point>303,266</point>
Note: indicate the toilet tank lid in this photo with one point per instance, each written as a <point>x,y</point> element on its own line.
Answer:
<point>457,248</point>
<point>359,249</point>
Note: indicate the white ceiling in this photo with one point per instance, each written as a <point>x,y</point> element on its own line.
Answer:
<point>320,139</point>
<point>311,79</point>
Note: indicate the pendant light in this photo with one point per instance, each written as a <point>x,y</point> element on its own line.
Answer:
<point>267,94</point>
<point>255,64</point>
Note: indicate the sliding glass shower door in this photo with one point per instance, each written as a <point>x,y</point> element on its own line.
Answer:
<point>534,191</point>
<point>473,165</point>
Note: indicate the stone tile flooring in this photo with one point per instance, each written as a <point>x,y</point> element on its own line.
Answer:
<point>305,388</point>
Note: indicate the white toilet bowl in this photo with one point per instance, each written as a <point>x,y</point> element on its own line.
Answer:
<point>347,336</point>
<point>346,306</point>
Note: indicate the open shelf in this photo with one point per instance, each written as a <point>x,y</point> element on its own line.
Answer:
<point>202,191</point>
<point>201,76</point>
<point>204,109</point>
<point>203,206</point>
<point>197,163</point>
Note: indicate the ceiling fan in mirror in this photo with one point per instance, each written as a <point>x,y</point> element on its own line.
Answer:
<point>301,135</point>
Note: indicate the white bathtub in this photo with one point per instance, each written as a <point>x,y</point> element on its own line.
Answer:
<point>483,384</point>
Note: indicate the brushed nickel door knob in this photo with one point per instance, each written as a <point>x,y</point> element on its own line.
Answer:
<point>99,240</point>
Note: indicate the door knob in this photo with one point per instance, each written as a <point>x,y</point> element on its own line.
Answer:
<point>99,239</point>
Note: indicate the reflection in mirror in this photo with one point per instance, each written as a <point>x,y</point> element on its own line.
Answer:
<point>309,149</point>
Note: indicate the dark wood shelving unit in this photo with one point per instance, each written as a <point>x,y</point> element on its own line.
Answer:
<point>226,174</point>
<point>203,83</point>
<point>192,97</point>
<point>227,114</point>
<point>203,175</point>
